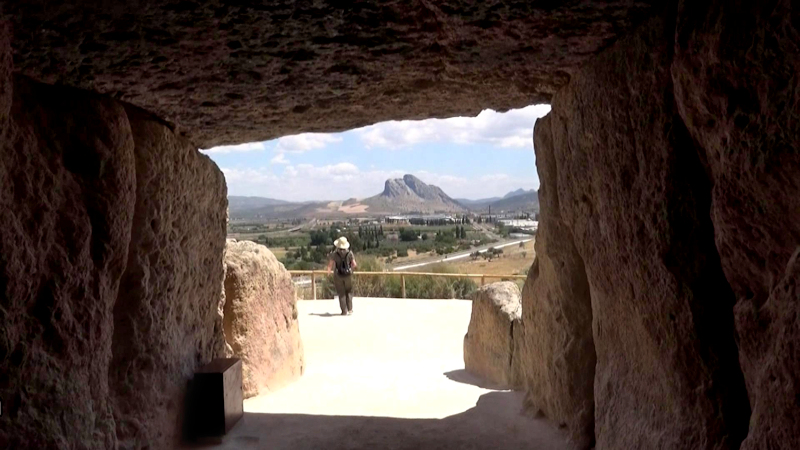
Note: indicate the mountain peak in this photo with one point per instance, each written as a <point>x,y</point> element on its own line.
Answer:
<point>412,194</point>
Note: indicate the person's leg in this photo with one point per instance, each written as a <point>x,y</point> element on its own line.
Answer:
<point>338,283</point>
<point>348,287</point>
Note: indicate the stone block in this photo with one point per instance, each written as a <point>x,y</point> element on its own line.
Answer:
<point>216,400</point>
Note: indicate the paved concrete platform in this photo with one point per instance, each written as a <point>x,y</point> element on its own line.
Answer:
<point>388,377</point>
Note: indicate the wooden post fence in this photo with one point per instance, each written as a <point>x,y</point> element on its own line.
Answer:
<point>313,274</point>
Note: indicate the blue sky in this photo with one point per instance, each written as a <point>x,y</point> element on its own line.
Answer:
<point>469,157</point>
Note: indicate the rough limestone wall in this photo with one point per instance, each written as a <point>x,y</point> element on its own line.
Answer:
<point>166,318</point>
<point>635,195</point>
<point>260,318</point>
<point>67,191</point>
<point>110,269</point>
<point>737,86</point>
<point>557,357</point>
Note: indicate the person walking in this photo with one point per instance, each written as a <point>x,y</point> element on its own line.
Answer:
<point>342,262</point>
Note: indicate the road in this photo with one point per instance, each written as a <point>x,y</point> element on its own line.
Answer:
<point>455,256</point>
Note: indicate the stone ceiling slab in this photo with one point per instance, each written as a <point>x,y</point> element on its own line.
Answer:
<point>228,72</point>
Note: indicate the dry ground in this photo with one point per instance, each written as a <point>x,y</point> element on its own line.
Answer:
<point>515,260</point>
<point>389,377</point>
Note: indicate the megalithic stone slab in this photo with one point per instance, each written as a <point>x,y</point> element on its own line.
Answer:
<point>217,401</point>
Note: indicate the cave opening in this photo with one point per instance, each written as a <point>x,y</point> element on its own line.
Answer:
<point>662,308</point>
<point>403,354</point>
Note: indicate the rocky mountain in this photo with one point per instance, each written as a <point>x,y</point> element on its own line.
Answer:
<point>410,194</point>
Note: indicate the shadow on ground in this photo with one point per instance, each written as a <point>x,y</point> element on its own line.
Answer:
<point>495,422</point>
<point>326,314</point>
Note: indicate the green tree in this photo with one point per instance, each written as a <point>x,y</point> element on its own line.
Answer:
<point>408,235</point>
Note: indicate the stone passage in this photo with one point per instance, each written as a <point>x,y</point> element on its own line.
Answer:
<point>260,318</point>
<point>662,310</point>
<point>490,339</point>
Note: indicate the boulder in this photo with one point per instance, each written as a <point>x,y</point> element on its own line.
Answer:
<point>489,342</point>
<point>557,356</point>
<point>635,194</point>
<point>260,318</point>
<point>737,88</point>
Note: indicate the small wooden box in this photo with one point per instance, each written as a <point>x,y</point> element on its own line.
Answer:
<point>217,399</point>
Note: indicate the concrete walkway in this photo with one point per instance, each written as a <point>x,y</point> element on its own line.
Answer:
<point>388,377</point>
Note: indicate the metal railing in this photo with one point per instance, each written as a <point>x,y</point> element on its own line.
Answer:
<point>403,275</point>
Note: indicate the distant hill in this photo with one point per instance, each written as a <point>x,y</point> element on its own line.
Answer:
<point>238,204</point>
<point>519,191</point>
<point>523,202</point>
<point>477,203</point>
<point>400,195</point>
<point>410,194</point>
<point>519,199</point>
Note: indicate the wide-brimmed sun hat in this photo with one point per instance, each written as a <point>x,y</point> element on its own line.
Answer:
<point>342,243</point>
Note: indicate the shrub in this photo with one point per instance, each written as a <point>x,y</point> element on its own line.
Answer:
<point>408,235</point>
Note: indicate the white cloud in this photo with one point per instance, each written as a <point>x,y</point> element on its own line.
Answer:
<point>280,158</point>
<point>345,180</point>
<point>512,129</point>
<point>247,147</point>
<point>301,143</point>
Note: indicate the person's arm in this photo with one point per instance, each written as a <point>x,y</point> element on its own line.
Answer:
<point>353,263</point>
<point>330,264</point>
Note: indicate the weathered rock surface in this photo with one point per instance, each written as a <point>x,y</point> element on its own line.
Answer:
<point>489,342</point>
<point>737,86</point>
<point>557,357</point>
<point>260,318</point>
<point>63,248</point>
<point>633,190</point>
<point>230,73</point>
<point>110,269</point>
<point>166,318</point>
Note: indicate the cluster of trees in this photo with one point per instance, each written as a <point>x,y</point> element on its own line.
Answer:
<point>438,222</point>
<point>407,234</point>
<point>451,236</point>
<point>370,231</point>
<point>489,254</point>
<point>284,241</point>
